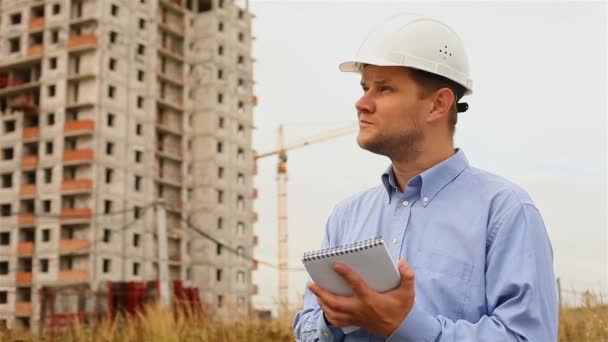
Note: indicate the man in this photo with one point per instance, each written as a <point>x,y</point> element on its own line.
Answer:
<point>474,256</point>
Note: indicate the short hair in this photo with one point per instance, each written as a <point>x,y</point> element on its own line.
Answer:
<point>430,83</point>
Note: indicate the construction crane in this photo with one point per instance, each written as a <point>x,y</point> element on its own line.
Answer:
<point>281,152</point>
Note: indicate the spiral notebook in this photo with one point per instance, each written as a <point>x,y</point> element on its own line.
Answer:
<point>370,259</point>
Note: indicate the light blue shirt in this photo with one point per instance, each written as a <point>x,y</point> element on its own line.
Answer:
<point>478,247</point>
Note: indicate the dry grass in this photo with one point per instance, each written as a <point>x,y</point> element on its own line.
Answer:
<point>584,324</point>
<point>155,324</point>
<point>589,323</point>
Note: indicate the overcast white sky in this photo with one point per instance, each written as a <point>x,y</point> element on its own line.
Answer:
<point>537,117</point>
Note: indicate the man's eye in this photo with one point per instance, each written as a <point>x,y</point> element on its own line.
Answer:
<point>385,88</point>
<point>364,89</point>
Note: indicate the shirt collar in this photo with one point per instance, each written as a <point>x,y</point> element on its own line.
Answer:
<point>388,179</point>
<point>433,179</point>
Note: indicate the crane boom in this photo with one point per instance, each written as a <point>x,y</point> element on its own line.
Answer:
<point>317,138</point>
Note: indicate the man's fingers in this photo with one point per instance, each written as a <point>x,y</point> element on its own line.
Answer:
<point>317,290</point>
<point>328,298</point>
<point>336,303</point>
<point>358,285</point>
<point>335,318</point>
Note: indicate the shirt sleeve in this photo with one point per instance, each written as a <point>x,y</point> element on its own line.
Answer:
<point>520,289</point>
<point>309,324</point>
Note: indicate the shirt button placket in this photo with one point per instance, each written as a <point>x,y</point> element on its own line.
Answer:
<point>400,233</point>
<point>402,213</point>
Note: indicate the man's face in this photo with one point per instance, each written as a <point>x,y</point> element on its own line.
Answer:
<point>390,112</point>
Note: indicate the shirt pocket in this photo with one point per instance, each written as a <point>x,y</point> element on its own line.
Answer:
<point>444,281</point>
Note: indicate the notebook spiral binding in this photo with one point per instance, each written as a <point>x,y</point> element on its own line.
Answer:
<point>345,249</point>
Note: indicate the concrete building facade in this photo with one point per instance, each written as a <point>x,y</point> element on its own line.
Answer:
<point>107,106</point>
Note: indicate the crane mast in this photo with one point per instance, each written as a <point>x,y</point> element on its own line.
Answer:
<point>281,152</point>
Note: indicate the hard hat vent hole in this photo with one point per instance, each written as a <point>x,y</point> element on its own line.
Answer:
<point>445,52</point>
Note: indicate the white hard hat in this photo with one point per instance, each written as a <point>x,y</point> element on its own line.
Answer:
<point>415,42</point>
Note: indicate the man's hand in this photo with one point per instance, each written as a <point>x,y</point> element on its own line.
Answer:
<point>378,313</point>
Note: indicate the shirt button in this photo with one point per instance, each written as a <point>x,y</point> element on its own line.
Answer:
<point>395,241</point>
<point>426,199</point>
<point>406,203</point>
<point>325,334</point>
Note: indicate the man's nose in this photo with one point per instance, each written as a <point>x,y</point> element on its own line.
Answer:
<point>365,104</point>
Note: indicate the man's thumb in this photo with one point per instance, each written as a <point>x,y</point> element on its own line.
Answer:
<point>407,275</point>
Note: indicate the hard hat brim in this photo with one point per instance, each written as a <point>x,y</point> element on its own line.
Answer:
<point>357,67</point>
<point>349,67</point>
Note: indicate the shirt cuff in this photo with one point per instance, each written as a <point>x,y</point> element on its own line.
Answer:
<point>325,333</point>
<point>418,325</point>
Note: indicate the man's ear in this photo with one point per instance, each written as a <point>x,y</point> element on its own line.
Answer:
<point>442,102</point>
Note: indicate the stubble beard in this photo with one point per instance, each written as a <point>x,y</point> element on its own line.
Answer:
<point>403,147</point>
